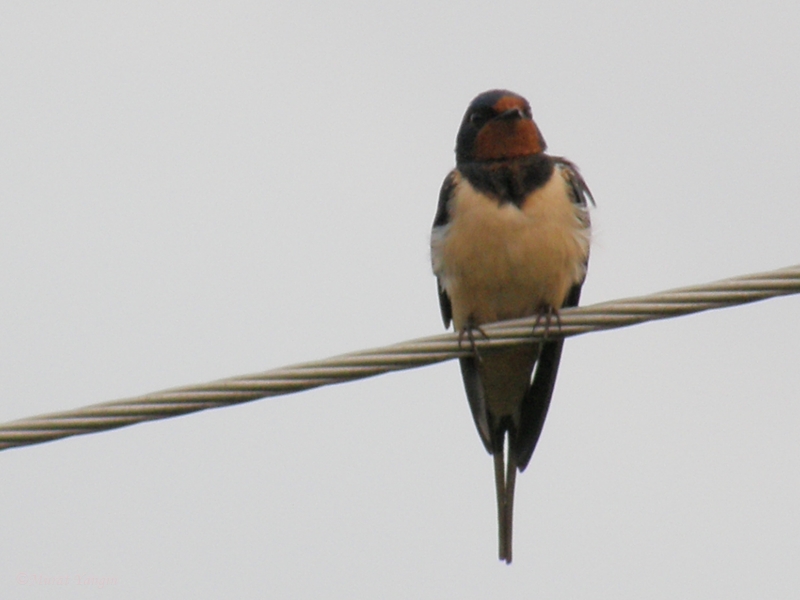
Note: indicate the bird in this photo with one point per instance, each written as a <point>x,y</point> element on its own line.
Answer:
<point>510,239</point>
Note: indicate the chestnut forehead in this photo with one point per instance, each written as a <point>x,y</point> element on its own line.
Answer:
<point>509,103</point>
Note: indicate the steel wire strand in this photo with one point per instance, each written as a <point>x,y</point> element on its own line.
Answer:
<point>404,355</point>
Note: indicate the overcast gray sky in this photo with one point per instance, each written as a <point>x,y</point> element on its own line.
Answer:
<point>197,190</point>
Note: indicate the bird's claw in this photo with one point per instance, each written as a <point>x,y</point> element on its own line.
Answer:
<point>547,313</point>
<point>468,331</point>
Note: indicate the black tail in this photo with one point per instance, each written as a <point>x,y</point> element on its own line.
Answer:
<point>504,479</point>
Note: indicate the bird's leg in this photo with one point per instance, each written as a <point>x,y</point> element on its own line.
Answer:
<point>469,331</point>
<point>546,313</point>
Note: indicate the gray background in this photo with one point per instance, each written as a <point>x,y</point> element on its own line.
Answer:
<point>191,191</point>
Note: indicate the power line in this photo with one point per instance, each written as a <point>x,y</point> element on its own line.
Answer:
<point>405,355</point>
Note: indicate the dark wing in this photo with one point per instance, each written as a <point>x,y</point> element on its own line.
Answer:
<point>440,220</point>
<point>580,191</point>
<point>477,401</point>
<point>537,400</point>
<point>534,408</point>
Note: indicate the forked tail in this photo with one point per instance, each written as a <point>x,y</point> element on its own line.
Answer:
<point>505,477</point>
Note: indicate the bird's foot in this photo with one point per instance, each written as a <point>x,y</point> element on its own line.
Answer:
<point>468,331</point>
<point>547,314</point>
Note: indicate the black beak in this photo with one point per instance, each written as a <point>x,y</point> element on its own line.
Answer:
<point>511,113</point>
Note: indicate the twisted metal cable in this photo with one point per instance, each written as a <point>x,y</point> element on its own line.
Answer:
<point>406,355</point>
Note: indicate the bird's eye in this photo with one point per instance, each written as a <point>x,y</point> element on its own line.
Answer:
<point>477,118</point>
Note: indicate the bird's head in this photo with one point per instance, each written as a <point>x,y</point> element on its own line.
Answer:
<point>498,126</point>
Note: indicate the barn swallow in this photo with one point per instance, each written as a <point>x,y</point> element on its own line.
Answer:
<point>510,239</point>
